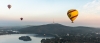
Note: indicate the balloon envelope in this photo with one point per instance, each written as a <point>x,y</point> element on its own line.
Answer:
<point>72,14</point>
<point>21,18</point>
<point>9,6</point>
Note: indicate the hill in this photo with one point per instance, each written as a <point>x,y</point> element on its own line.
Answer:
<point>59,29</point>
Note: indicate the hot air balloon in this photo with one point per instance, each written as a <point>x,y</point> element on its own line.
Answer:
<point>72,14</point>
<point>9,6</point>
<point>21,18</point>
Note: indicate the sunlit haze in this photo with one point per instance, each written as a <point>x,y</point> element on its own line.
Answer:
<point>37,12</point>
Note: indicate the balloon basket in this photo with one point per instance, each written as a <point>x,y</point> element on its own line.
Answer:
<point>72,22</point>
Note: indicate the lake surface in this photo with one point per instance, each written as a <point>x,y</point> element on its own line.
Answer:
<point>14,38</point>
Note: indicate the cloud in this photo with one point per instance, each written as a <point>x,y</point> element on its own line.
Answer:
<point>91,7</point>
<point>91,10</point>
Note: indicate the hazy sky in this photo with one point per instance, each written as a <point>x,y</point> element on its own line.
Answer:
<point>44,11</point>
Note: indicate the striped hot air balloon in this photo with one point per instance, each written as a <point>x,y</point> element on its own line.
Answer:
<point>72,14</point>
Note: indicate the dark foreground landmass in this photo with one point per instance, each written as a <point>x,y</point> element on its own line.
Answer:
<point>68,34</point>
<point>91,38</point>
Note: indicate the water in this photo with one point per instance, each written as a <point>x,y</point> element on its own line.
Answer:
<point>15,38</point>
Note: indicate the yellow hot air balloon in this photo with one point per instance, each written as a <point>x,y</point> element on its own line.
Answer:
<point>72,14</point>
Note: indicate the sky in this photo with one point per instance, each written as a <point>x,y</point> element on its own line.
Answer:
<point>38,12</point>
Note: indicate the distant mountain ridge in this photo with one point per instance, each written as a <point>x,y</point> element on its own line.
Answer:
<point>58,29</point>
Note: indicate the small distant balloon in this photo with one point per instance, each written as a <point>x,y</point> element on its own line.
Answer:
<point>21,18</point>
<point>9,6</point>
<point>72,14</point>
